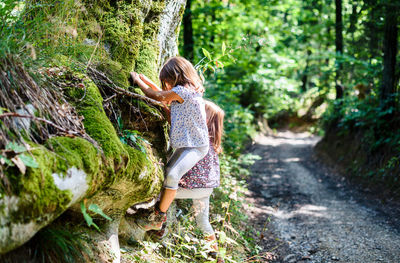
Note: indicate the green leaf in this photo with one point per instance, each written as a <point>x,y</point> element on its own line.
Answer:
<point>96,209</point>
<point>4,159</point>
<point>206,53</point>
<point>87,217</point>
<point>211,67</point>
<point>17,148</point>
<point>222,252</point>
<point>218,64</point>
<point>142,149</point>
<point>203,254</point>
<point>144,140</point>
<point>222,237</point>
<point>28,161</point>
<point>120,123</point>
<point>223,48</point>
<point>132,138</point>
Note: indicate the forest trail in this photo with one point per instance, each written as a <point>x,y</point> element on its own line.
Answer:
<point>306,213</point>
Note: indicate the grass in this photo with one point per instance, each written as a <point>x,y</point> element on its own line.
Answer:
<point>185,242</point>
<point>52,244</point>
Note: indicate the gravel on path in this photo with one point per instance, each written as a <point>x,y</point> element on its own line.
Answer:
<point>306,213</point>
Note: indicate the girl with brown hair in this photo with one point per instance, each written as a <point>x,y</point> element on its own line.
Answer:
<point>182,87</point>
<point>198,183</point>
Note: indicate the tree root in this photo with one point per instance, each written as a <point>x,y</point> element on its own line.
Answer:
<point>103,81</point>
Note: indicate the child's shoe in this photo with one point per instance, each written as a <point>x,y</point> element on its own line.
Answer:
<point>216,256</point>
<point>154,221</point>
<point>158,235</point>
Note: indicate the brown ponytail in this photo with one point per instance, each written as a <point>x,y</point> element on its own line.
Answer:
<point>215,124</point>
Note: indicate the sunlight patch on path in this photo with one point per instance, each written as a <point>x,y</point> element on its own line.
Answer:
<point>314,216</point>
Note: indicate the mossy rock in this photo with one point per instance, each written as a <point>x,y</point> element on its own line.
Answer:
<point>36,189</point>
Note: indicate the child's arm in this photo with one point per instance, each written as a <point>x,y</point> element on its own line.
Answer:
<point>156,95</point>
<point>149,82</point>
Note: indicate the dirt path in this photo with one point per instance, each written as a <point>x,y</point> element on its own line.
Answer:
<point>307,214</point>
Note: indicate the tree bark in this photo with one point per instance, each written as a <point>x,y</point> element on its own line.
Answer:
<point>188,41</point>
<point>304,78</point>
<point>388,88</point>
<point>339,38</point>
<point>115,178</point>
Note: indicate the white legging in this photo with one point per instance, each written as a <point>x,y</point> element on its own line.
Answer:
<point>201,206</point>
<point>181,161</point>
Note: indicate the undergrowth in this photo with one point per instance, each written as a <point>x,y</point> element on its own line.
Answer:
<point>375,126</point>
<point>184,241</point>
<point>52,244</point>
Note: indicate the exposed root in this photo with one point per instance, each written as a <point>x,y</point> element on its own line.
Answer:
<point>103,81</point>
<point>39,111</point>
<point>67,132</point>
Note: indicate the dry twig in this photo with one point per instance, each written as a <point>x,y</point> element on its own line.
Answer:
<point>48,105</point>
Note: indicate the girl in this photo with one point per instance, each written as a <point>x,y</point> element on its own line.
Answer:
<point>182,86</point>
<point>198,182</point>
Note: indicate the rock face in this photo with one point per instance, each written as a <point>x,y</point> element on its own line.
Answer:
<point>123,36</point>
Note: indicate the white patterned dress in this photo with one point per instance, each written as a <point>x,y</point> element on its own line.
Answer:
<point>188,120</point>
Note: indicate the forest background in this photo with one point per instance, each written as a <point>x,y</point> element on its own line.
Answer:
<point>328,67</point>
<point>331,67</point>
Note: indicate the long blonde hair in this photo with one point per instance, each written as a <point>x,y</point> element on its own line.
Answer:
<point>179,71</point>
<point>215,124</point>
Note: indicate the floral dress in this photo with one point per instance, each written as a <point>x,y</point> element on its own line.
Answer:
<point>205,174</point>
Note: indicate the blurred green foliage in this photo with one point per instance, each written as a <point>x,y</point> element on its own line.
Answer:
<point>282,57</point>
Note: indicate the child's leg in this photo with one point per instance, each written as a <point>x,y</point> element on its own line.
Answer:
<point>167,196</point>
<point>201,212</point>
<point>180,163</point>
<point>201,205</point>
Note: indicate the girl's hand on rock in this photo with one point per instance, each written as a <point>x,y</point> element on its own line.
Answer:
<point>135,77</point>
<point>144,78</point>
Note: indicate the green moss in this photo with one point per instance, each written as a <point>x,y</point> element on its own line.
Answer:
<point>152,21</point>
<point>136,163</point>
<point>37,190</point>
<point>115,71</point>
<point>131,36</point>
<point>76,152</point>
<point>177,29</point>
<point>133,44</point>
<point>153,114</point>
<point>61,60</point>
<point>147,62</point>
<point>142,169</point>
<point>98,126</point>
<point>123,30</point>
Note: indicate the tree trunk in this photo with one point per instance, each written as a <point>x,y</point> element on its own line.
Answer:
<point>188,42</point>
<point>304,78</point>
<point>114,175</point>
<point>373,29</point>
<point>388,88</point>
<point>339,38</point>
